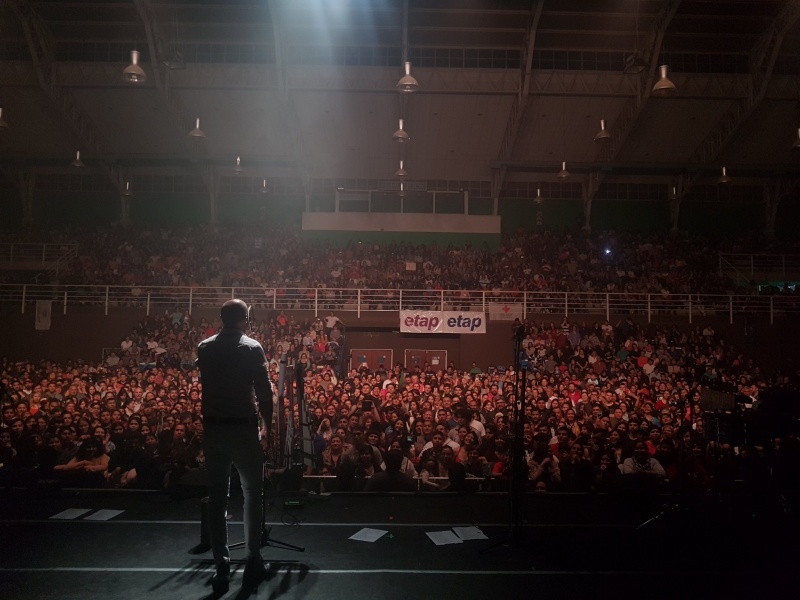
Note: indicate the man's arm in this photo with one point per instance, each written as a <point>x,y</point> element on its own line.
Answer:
<point>262,387</point>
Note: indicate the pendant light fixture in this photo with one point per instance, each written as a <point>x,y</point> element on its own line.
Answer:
<point>664,88</point>
<point>563,173</point>
<point>264,189</point>
<point>3,124</point>
<point>133,73</point>
<point>77,163</point>
<point>400,136</point>
<point>602,136</point>
<point>407,83</point>
<point>238,169</point>
<point>127,192</point>
<point>401,172</point>
<point>197,134</point>
<point>538,199</point>
<point>724,177</point>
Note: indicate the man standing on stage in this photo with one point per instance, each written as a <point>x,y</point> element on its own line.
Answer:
<point>236,391</point>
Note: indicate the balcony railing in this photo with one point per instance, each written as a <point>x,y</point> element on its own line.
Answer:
<point>762,268</point>
<point>358,301</point>
<point>33,256</point>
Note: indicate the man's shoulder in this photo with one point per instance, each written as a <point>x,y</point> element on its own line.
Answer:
<point>208,340</point>
<point>248,341</point>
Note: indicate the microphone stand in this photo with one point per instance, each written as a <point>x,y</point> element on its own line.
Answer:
<point>266,540</point>
<point>515,538</point>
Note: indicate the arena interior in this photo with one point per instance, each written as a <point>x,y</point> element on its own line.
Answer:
<point>525,274</point>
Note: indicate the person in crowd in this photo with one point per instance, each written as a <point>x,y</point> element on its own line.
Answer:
<point>392,478</point>
<point>642,466</point>
<point>88,467</point>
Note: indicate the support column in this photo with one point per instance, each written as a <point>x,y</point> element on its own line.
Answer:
<point>674,209</point>
<point>212,180</point>
<point>587,213</point>
<point>674,214</point>
<point>27,184</point>
<point>589,189</point>
<point>498,176</point>
<point>124,210</point>
<point>773,193</point>
<point>213,205</point>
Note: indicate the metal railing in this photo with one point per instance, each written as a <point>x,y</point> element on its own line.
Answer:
<point>743,268</point>
<point>359,301</point>
<point>33,256</point>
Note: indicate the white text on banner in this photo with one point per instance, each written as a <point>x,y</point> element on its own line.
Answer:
<point>435,321</point>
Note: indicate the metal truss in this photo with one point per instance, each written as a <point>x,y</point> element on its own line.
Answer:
<point>41,46</point>
<point>159,48</point>
<point>517,112</point>
<point>629,116</point>
<point>249,77</point>
<point>633,108</point>
<point>762,62</point>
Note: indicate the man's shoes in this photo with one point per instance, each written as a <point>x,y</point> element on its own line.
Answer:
<point>220,582</point>
<point>254,572</point>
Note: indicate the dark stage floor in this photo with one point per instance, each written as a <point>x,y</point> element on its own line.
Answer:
<point>576,546</point>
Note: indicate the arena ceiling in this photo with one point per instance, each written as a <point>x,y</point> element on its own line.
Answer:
<point>305,89</point>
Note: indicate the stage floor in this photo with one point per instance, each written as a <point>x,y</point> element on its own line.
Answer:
<point>74,544</point>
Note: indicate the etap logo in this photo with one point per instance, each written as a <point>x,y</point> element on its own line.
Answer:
<point>442,322</point>
<point>422,322</point>
<point>462,322</point>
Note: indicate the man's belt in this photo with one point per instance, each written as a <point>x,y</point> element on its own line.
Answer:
<point>230,420</point>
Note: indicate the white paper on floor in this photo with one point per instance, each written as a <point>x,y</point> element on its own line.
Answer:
<point>469,533</point>
<point>103,515</point>
<point>442,538</point>
<point>368,535</point>
<point>71,513</point>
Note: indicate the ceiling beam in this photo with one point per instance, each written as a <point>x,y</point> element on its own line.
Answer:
<point>629,116</point>
<point>762,62</point>
<point>159,49</point>
<point>517,112</point>
<point>41,46</point>
<point>381,80</point>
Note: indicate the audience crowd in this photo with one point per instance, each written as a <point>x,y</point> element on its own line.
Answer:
<point>281,259</point>
<point>605,406</point>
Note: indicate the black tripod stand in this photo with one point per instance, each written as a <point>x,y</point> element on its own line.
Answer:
<point>519,473</point>
<point>266,540</point>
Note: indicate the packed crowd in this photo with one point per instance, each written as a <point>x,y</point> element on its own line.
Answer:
<point>204,256</point>
<point>605,405</point>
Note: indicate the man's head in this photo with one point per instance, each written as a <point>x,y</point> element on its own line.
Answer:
<point>235,313</point>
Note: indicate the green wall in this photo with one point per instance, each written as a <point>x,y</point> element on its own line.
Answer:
<point>413,238</point>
